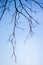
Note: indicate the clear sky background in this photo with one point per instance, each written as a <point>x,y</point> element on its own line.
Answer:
<point>29,54</point>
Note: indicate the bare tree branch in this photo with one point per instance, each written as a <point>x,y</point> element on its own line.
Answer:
<point>20,6</point>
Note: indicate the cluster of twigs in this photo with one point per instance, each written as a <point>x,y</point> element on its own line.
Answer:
<point>19,7</point>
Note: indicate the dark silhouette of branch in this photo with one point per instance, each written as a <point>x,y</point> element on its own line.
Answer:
<point>19,7</point>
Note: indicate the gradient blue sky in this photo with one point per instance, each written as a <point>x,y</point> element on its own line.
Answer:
<point>29,54</point>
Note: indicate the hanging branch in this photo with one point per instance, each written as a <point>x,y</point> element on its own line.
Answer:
<point>18,11</point>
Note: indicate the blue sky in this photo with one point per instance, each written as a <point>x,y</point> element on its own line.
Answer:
<point>29,54</point>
